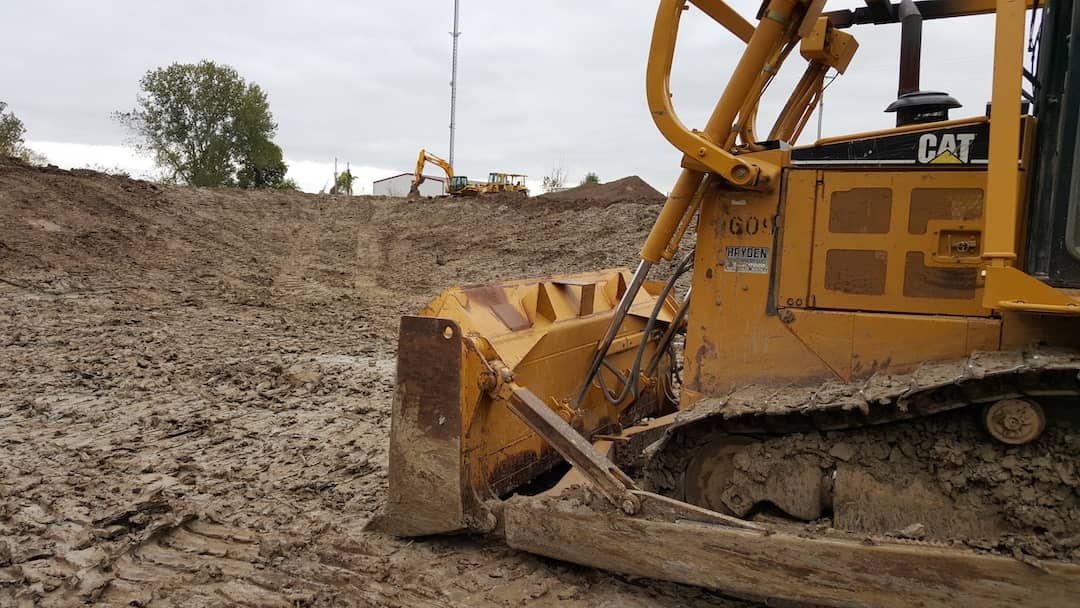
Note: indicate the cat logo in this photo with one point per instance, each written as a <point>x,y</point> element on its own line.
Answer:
<point>949,148</point>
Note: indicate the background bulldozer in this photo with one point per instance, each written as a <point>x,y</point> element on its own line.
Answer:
<point>867,397</point>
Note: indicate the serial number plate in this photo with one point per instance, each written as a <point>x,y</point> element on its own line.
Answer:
<point>754,260</point>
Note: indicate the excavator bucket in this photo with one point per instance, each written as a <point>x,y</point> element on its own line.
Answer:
<point>454,443</point>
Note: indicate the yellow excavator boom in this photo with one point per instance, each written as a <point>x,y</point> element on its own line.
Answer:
<point>418,175</point>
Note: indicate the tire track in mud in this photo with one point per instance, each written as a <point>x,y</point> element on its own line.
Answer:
<point>371,261</point>
<point>291,281</point>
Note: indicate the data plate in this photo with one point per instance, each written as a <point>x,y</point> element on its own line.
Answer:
<point>754,260</point>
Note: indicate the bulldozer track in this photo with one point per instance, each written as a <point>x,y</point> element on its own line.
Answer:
<point>932,388</point>
<point>836,425</point>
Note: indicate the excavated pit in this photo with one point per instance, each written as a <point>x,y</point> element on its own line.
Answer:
<point>195,392</point>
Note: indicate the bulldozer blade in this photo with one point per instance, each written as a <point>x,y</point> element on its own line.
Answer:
<point>455,445</point>
<point>425,432</point>
<point>783,565</point>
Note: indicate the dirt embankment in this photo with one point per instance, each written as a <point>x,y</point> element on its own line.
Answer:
<point>630,189</point>
<point>195,392</point>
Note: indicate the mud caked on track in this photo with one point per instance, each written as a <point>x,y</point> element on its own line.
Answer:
<point>195,391</point>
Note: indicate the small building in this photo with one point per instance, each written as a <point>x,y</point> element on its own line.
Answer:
<point>399,185</point>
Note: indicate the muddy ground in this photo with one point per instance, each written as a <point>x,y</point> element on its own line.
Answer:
<point>195,393</point>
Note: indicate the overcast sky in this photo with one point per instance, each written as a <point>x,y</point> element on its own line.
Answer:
<point>541,84</point>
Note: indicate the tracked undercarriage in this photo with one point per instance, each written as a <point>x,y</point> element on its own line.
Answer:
<point>981,452</point>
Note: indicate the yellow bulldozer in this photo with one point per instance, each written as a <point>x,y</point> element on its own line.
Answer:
<point>507,182</point>
<point>868,396</point>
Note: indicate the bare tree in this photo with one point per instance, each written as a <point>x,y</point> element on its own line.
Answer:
<point>555,181</point>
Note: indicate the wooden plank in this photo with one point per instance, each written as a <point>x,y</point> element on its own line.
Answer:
<point>783,566</point>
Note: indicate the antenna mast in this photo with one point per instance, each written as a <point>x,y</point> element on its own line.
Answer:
<point>453,82</point>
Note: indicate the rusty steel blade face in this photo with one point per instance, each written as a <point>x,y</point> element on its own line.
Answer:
<point>425,494</point>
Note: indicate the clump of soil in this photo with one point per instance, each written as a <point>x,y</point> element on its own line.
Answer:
<point>630,189</point>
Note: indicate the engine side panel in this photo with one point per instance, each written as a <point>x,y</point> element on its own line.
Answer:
<point>839,274</point>
<point>899,241</point>
<point>734,333</point>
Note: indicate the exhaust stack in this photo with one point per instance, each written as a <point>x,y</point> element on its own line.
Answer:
<point>910,48</point>
<point>913,106</point>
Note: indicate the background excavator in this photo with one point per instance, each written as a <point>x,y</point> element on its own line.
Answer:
<point>869,394</point>
<point>455,184</point>
<point>459,185</point>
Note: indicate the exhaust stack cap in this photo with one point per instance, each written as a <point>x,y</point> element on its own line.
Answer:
<point>922,107</point>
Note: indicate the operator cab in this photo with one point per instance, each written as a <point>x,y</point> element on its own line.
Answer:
<point>458,183</point>
<point>506,179</point>
<point>1053,248</point>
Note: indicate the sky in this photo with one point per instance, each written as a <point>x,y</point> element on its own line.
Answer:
<point>542,85</point>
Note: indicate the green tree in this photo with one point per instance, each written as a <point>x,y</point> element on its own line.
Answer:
<point>344,182</point>
<point>590,178</point>
<point>262,166</point>
<point>12,132</point>
<point>206,126</point>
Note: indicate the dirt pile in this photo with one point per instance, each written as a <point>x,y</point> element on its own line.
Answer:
<point>631,189</point>
<point>195,391</point>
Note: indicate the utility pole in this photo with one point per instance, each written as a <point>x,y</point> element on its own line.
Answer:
<point>821,108</point>
<point>825,82</point>
<point>453,82</point>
